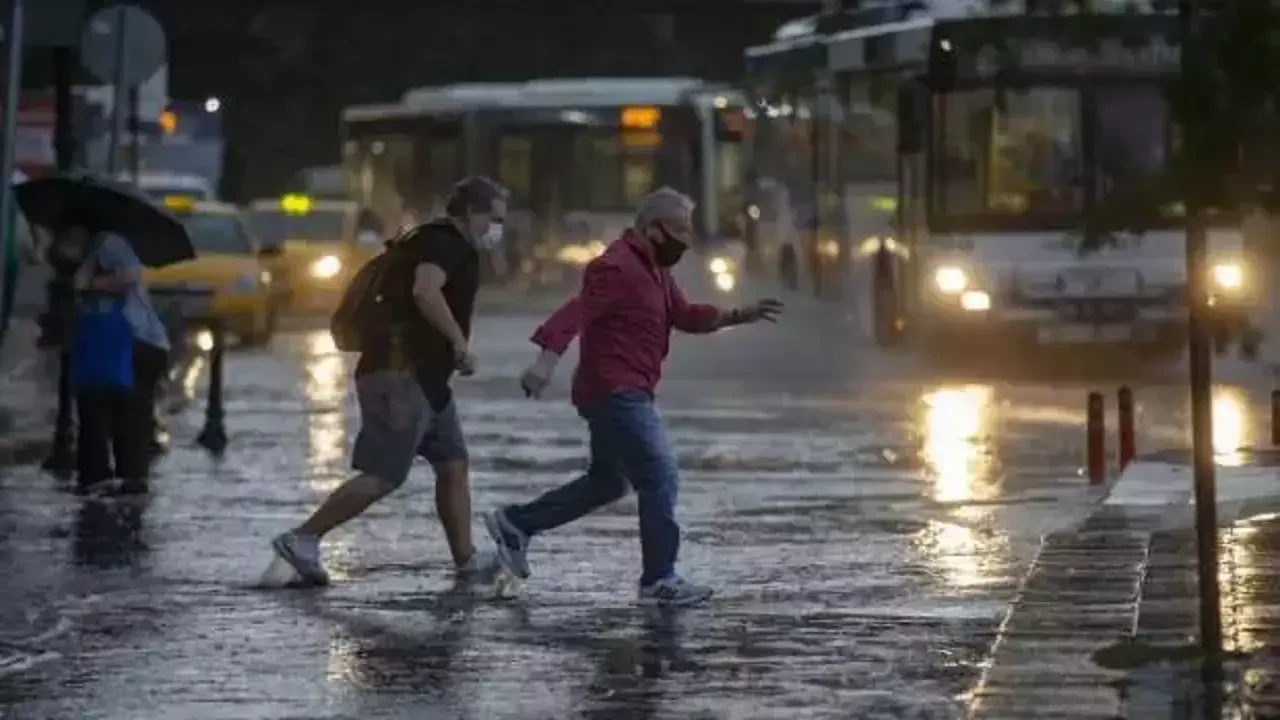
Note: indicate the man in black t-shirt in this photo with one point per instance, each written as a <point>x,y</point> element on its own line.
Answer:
<point>402,380</point>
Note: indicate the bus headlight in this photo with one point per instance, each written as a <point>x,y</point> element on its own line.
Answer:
<point>951,279</point>
<point>326,267</point>
<point>1228,276</point>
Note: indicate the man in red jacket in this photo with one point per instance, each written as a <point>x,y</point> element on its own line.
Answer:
<point>624,313</point>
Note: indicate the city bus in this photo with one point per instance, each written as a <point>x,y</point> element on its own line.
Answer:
<point>577,155</point>
<point>969,166</point>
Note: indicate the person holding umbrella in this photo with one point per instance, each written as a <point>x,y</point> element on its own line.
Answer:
<point>121,350</point>
<point>121,345</point>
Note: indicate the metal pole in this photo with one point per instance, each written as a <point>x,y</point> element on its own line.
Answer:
<point>118,97</point>
<point>61,301</point>
<point>214,435</point>
<point>12,90</point>
<point>1275,418</point>
<point>1125,419</point>
<point>64,140</point>
<point>1096,440</point>
<point>1201,364</point>
<point>135,133</point>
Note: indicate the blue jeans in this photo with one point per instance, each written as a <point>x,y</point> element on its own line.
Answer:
<point>627,445</point>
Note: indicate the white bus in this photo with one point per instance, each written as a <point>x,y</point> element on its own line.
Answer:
<point>965,160</point>
<point>577,155</point>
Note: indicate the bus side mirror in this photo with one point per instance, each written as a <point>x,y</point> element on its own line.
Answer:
<point>913,104</point>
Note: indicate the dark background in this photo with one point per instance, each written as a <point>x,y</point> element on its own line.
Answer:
<point>285,69</point>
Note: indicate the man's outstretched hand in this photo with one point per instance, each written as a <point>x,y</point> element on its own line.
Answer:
<point>767,309</point>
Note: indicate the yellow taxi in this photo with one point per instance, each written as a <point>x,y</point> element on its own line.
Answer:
<point>321,244</point>
<point>228,262</point>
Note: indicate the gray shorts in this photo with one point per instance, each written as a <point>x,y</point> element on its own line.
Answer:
<point>397,424</point>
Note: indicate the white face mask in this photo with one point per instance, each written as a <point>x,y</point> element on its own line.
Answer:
<point>491,237</point>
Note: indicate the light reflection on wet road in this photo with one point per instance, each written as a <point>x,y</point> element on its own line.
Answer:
<point>865,526</point>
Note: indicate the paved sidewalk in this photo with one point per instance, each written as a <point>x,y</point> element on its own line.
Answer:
<point>1125,584</point>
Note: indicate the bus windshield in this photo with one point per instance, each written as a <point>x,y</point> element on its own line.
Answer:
<point>1132,146</point>
<point>1017,159</point>
<point>273,227</point>
<point>1012,155</point>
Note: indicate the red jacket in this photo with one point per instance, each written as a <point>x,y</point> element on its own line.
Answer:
<point>624,313</point>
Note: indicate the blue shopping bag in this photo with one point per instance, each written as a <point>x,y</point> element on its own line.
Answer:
<point>102,356</point>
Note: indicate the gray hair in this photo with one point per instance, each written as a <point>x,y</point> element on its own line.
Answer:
<point>665,203</point>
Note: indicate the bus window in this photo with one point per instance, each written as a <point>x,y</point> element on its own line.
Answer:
<point>637,179</point>
<point>386,175</point>
<point>1016,155</point>
<point>1131,127</point>
<point>598,156</point>
<point>444,167</point>
<point>515,165</point>
<point>871,129</point>
<point>618,170</point>
<point>729,174</point>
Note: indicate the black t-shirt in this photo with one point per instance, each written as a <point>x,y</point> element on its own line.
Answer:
<point>413,339</point>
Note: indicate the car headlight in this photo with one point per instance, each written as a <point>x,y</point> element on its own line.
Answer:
<point>326,267</point>
<point>975,301</point>
<point>726,281</point>
<point>951,280</point>
<point>719,265</point>
<point>1228,276</point>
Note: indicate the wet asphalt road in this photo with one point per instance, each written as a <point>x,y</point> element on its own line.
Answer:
<point>865,518</point>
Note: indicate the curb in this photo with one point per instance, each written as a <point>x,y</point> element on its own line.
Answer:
<point>25,448</point>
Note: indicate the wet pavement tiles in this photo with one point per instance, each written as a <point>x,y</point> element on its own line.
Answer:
<point>866,538</point>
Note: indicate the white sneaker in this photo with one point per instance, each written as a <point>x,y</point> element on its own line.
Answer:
<point>675,591</point>
<point>303,553</point>
<point>513,545</point>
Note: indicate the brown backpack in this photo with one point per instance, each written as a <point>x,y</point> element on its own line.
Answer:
<point>365,311</point>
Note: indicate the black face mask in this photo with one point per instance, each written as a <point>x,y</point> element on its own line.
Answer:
<point>669,251</point>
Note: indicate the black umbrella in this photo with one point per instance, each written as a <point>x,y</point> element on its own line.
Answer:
<point>157,237</point>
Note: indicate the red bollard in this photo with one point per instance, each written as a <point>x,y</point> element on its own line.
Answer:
<point>1125,412</point>
<point>1097,439</point>
<point>1275,418</point>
